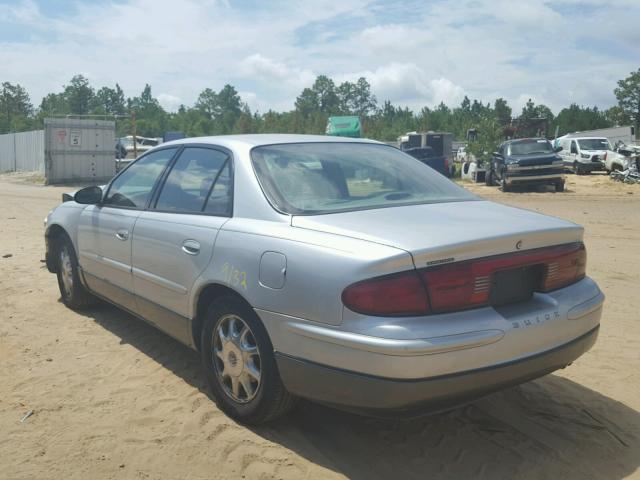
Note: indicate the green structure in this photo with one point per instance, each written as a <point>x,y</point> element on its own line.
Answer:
<point>344,127</point>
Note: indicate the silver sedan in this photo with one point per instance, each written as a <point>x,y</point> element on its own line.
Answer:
<point>338,270</point>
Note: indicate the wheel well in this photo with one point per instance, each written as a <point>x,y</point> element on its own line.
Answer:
<point>207,295</point>
<point>53,233</point>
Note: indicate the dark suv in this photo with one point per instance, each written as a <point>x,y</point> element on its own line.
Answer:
<point>526,161</point>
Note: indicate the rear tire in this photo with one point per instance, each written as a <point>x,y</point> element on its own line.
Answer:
<point>239,364</point>
<point>73,293</point>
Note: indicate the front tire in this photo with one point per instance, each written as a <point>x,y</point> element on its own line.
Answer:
<point>488,178</point>
<point>576,168</point>
<point>238,361</point>
<point>73,293</point>
<point>559,186</point>
<point>504,186</point>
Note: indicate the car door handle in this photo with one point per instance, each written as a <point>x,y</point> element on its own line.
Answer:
<point>191,247</point>
<point>122,234</point>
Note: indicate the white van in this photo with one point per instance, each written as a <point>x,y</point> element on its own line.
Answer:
<point>584,154</point>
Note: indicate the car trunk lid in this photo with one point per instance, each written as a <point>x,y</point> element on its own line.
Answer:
<point>440,233</point>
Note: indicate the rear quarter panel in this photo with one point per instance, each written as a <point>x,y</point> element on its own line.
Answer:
<point>318,267</point>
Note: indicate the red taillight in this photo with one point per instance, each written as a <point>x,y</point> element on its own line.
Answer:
<point>399,294</point>
<point>457,287</point>
<point>462,285</point>
<point>565,269</point>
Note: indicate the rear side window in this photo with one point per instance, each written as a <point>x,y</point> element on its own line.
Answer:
<point>219,200</point>
<point>133,187</point>
<point>198,174</point>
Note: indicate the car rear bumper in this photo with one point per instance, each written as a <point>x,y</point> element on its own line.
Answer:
<point>434,361</point>
<point>379,395</point>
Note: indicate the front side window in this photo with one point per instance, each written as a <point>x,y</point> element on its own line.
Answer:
<point>197,183</point>
<point>316,178</point>
<point>133,187</point>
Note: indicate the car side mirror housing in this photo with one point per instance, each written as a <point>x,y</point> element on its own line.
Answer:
<point>496,154</point>
<point>557,149</point>
<point>88,195</point>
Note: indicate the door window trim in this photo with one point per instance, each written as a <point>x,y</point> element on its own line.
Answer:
<point>153,200</point>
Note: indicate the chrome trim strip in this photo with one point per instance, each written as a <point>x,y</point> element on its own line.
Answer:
<point>162,282</point>
<point>123,267</point>
<point>387,346</point>
<point>586,308</point>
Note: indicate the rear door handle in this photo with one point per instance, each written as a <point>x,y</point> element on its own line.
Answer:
<point>122,234</point>
<point>191,247</point>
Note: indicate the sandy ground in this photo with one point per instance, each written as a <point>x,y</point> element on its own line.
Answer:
<point>114,398</point>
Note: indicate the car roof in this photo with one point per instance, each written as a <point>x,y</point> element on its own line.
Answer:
<point>516,140</point>
<point>255,140</point>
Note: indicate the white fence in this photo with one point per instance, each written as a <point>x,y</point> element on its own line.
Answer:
<point>22,151</point>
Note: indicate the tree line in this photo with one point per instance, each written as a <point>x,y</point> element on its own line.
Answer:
<point>225,112</point>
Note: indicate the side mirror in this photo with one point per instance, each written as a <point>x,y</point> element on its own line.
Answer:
<point>88,195</point>
<point>557,149</point>
<point>496,154</point>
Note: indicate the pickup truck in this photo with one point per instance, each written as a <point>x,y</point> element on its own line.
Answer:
<point>428,156</point>
<point>526,161</point>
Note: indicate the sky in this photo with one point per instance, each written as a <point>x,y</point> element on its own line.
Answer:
<point>414,53</point>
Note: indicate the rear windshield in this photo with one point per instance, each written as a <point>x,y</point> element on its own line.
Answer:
<point>594,144</point>
<point>316,178</point>
<point>530,147</point>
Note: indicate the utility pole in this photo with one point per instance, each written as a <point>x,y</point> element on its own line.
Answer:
<point>135,140</point>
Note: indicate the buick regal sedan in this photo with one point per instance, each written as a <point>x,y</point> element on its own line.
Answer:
<point>338,270</point>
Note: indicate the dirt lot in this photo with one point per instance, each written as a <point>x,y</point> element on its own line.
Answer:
<point>114,398</point>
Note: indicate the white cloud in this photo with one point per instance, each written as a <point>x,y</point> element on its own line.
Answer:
<point>169,102</point>
<point>24,12</point>
<point>259,66</point>
<point>408,85</point>
<point>485,49</point>
<point>444,90</point>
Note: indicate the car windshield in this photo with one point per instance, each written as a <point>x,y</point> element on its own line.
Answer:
<point>530,147</point>
<point>594,144</point>
<point>316,178</point>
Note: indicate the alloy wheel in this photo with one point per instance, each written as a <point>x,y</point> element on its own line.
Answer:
<point>236,358</point>
<point>66,270</point>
